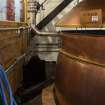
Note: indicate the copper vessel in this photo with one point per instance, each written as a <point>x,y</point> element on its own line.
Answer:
<point>80,73</point>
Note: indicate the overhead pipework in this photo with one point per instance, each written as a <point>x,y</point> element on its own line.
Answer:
<point>33,8</point>
<point>40,33</point>
<point>41,45</point>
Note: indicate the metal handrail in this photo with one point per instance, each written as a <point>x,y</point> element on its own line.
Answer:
<point>54,50</point>
<point>39,33</point>
<point>49,44</point>
<point>80,59</point>
<point>10,68</point>
<point>13,29</point>
<point>46,47</point>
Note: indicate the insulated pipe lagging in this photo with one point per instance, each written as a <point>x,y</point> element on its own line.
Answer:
<point>5,82</point>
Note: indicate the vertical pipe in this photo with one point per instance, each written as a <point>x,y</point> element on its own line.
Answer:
<point>25,9</point>
<point>19,16</point>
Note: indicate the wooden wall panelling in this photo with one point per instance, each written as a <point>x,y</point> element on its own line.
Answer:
<point>6,45</point>
<point>25,36</point>
<point>12,80</point>
<point>12,45</point>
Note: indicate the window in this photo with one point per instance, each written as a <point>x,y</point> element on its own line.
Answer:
<point>18,8</point>
<point>3,9</point>
<point>11,10</point>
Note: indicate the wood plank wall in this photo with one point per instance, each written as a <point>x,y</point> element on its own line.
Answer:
<point>12,45</point>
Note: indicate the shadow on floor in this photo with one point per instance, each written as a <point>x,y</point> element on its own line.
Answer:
<point>36,101</point>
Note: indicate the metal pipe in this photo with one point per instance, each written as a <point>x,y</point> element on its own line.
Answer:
<point>10,68</point>
<point>39,33</point>
<point>43,2</point>
<point>46,47</point>
<point>13,29</point>
<point>80,59</point>
<point>49,44</point>
<point>47,51</point>
<point>38,51</point>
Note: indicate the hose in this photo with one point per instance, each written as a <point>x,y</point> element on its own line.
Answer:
<point>4,84</point>
<point>3,96</point>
